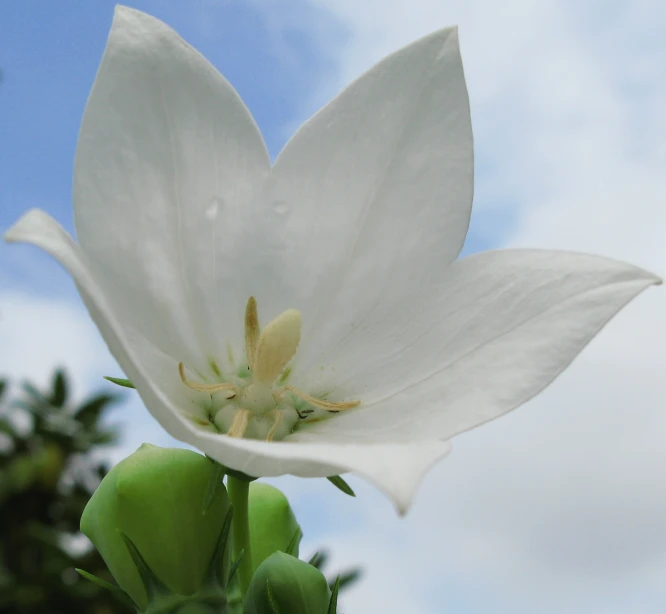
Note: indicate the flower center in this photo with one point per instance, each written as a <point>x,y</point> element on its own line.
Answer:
<point>255,405</point>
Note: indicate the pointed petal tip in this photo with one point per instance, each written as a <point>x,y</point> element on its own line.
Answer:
<point>121,11</point>
<point>24,227</point>
<point>401,489</point>
<point>134,26</point>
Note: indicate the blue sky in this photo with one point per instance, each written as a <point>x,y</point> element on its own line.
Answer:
<point>50,53</point>
<point>567,104</point>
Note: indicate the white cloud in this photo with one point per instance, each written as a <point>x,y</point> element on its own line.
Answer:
<point>39,334</point>
<point>558,507</point>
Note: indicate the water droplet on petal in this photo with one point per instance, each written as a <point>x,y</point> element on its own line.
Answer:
<point>280,208</point>
<point>213,209</point>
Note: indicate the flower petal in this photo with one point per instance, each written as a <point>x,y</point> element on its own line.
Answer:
<point>397,469</point>
<point>374,192</point>
<point>503,326</point>
<point>168,160</point>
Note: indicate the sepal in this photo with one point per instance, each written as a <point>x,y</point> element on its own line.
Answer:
<point>340,484</point>
<point>112,588</point>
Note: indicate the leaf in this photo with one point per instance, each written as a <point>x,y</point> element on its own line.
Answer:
<point>295,540</point>
<point>125,383</point>
<point>216,570</point>
<point>7,428</point>
<point>3,386</point>
<point>90,412</point>
<point>339,483</point>
<point>271,600</point>
<point>333,603</point>
<point>319,559</point>
<point>346,578</point>
<point>116,590</point>
<point>106,437</point>
<point>59,394</point>
<point>153,585</point>
<point>214,483</point>
<point>39,405</point>
<point>235,565</point>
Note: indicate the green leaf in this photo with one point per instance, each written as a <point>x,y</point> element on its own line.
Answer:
<point>104,438</point>
<point>346,578</point>
<point>59,394</point>
<point>294,543</point>
<point>38,405</point>
<point>333,603</point>
<point>214,483</point>
<point>271,600</point>
<point>339,483</point>
<point>7,428</point>
<point>319,559</point>
<point>153,585</point>
<point>3,385</point>
<point>235,565</point>
<point>217,567</point>
<point>116,590</point>
<point>125,383</point>
<point>91,411</point>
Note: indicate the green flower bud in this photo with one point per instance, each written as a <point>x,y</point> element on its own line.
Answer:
<point>157,524</point>
<point>286,585</point>
<point>273,526</point>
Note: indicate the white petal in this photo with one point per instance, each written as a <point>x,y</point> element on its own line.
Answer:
<point>397,469</point>
<point>373,193</point>
<point>503,326</point>
<point>168,159</point>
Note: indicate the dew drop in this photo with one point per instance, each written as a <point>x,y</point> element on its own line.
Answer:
<point>280,208</point>
<point>213,209</point>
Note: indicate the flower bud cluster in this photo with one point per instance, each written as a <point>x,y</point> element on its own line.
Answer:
<point>162,521</point>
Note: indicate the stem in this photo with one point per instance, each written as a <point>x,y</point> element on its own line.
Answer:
<point>238,492</point>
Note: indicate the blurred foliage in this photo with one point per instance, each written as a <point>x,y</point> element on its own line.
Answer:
<point>48,470</point>
<point>347,577</point>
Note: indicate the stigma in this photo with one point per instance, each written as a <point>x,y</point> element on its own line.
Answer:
<point>256,406</point>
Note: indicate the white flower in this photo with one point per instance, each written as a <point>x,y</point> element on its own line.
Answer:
<point>348,244</point>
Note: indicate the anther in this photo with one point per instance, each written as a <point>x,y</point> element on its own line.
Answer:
<point>239,424</point>
<point>327,405</point>
<point>278,419</point>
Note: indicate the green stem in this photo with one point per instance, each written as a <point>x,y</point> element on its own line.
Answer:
<point>238,493</point>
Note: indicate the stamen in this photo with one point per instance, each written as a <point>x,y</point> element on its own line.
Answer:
<point>239,424</point>
<point>327,405</point>
<point>252,331</point>
<point>210,388</point>
<point>277,345</point>
<point>278,419</point>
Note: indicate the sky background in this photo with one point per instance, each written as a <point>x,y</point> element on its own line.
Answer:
<point>559,507</point>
